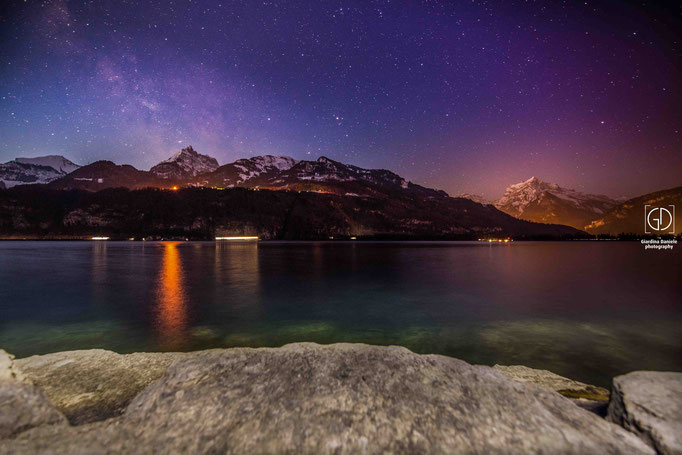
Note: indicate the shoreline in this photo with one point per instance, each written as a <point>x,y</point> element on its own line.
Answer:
<point>88,238</point>
<point>302,397</point>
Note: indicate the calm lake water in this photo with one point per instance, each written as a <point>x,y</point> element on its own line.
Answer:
<point>587,310</point>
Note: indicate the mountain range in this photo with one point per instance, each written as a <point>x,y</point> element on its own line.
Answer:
<point>189,168</point>
<point>532,200</point>
<point>313,200</point>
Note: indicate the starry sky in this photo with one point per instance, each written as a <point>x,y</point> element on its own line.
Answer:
<point>465,96</point>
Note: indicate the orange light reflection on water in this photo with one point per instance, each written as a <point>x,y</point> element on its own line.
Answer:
<point>172,300</point>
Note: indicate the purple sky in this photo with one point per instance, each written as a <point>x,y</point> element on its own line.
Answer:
<point>461,96</point>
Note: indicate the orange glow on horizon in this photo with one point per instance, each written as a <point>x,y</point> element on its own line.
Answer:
<point>172,311</point>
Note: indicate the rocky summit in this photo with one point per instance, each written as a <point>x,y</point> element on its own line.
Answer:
<point>300,398</point>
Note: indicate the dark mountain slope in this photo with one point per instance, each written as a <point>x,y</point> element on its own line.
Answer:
<point>628,217</point>
<point>203,213</point>
<point>106,174</point>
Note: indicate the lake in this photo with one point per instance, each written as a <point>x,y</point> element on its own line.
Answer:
<point>586,310</point>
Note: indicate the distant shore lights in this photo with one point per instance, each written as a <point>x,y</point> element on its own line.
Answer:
<point>243,237</point>
<point>99,238</point>
<point>507,240</point>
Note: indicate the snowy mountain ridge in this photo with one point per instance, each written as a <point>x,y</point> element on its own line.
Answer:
<point>258,165</point>
<point>58,162</point>
<point>325,169</point>
<point>40,169</point>
<point>323,175</point>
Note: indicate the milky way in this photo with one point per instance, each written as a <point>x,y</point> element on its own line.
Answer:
<point>462,96</point>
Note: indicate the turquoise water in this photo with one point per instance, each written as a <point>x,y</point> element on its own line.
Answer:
<point>587,310</point>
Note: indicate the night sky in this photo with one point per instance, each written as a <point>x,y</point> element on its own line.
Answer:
<point>464,96</point>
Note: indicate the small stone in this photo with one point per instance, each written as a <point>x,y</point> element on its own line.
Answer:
<point>8,369</point>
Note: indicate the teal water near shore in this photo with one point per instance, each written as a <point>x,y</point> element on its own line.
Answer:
<point>585,310</point>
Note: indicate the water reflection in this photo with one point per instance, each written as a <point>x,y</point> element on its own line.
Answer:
<point>236,268</point>
<point>172,300</point>
<point>585,310</point>
<point>99,271</point>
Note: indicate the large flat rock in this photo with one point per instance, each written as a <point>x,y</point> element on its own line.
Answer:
<point>342,399</point>
<point>649,403</point>
<point>94,384</point>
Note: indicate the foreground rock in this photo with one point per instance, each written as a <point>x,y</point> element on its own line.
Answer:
<point>649,403</point>
<point>94,384</point>
<point>22,406</point>
<point>592,398</point>
<point>342,398</point>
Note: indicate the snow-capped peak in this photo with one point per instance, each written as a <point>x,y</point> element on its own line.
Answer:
<point>532,184</point>
<point>185,163</point>
<point>518,196</point>
<point>57,162</point>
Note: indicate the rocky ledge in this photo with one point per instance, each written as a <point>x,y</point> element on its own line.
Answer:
<point>300,398</point>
